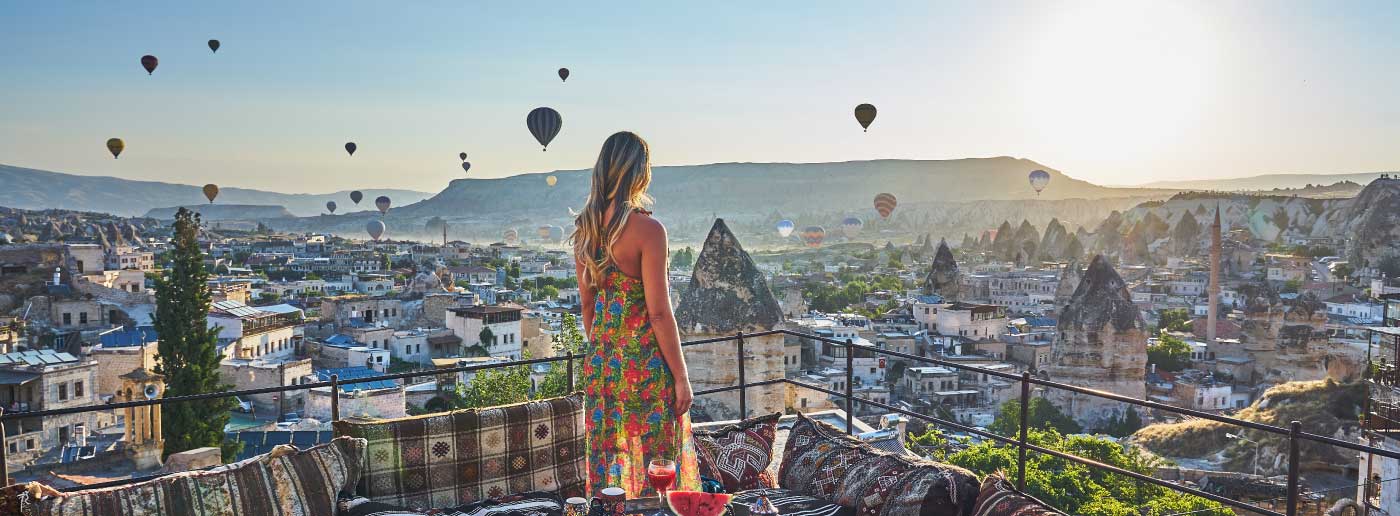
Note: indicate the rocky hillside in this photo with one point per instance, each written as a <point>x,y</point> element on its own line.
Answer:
<point>224,212</point>
<point>40,189</point>
<point>31,226</point>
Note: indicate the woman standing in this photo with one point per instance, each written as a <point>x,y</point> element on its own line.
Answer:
<point>637,391</point>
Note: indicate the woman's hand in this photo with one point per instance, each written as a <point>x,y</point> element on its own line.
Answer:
<point>684,396</point>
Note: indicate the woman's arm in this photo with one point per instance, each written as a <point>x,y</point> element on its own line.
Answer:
<point>585,297</point>
<point>656,284</point>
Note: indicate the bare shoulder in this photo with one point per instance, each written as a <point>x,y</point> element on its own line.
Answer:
<point>645,226</point>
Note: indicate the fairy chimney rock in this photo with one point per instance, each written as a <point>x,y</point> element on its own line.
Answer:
<point>1101,344</point>
<point>943,277</point>
<point>727,295</point>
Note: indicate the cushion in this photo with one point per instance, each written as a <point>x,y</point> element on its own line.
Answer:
<point>790,503</point>
<point>999,497</point>
<point>463,456</point>
<point>737,455</point>
<point>282,481</point>
<point>525,504</point>
<point>822,461</point>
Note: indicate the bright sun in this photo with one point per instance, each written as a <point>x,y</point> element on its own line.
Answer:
<point>1119,80</point>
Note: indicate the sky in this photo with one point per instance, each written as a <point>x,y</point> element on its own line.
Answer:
<point>1117,92</point>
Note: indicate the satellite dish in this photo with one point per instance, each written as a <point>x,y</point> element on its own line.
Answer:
<point>151,391</point>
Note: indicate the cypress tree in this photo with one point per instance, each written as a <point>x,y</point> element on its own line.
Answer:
<point>188,350</point>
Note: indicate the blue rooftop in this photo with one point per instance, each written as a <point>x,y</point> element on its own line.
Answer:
<point>930,299</point>
<point>351,373</point>
<point>1040,322</point>
<point>340,340</point>
<point>127,337</point>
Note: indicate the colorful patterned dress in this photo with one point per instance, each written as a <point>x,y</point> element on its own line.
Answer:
<point>629,395</point>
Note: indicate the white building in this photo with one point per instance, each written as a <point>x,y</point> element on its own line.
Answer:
<point>503,321</point>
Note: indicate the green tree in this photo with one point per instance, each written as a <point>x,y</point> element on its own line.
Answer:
<point>487,337</point>
<point>1169,353</point>
<point>187,354</point>
<point>491,387</point>
<point>1123,426</point>
<point>1040,414</point>
<point>556,381</point>
<point>1177,319</point>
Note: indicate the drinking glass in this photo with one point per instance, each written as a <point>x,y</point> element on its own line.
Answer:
<point>662,475</point>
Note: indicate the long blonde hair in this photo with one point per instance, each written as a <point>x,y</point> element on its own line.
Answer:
<point>620,180</point>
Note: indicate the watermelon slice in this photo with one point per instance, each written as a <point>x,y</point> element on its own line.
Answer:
<point>696,503</point>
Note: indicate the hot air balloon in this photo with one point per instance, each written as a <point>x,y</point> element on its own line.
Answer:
<point>813,235</point>
<point>350,148</point>
<point>356,196</point>
<point>542,232</point>
<point>375,228</point>
<point>149,62</point>
<point>115,145</point>
<point>463,156</point>
<point>382,202</point>
<point>551,180</point>
<point>330,206</point>
<point>865,114</point>
<point>563,74</point>
<point>511,236</point>
<point>213,45</point>
<point>851,226</point>
<point>210,192</point>
<point>544,123</point>
<point>466,167</point>
<point>1039,178</point>
<point>556,234</point>
<point>885,203</point>
<point>785,228</point>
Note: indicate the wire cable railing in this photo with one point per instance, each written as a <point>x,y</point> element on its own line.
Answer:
<point>1293,432</point>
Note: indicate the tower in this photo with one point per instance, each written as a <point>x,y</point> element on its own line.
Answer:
<point>144,440</point>
<point>1213,291</point>
<point>1101,344</point>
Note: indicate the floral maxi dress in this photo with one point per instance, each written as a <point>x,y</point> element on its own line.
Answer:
<point>630,396</point>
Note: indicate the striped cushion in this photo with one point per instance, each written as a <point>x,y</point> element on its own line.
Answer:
<point>789,503</point>
<point>999,498</point>
<point>283,481</point>
<point>453,458</point>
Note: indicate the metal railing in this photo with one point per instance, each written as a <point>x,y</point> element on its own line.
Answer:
<point>1294,432</point>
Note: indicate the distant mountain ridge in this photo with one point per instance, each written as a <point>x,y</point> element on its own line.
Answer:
<point>1265,181</point>
<point>34,189</point>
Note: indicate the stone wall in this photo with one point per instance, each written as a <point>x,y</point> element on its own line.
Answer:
<point>114,362</point>
<point>379,403</point>
<point>716,365</point>
<point>258,374</point>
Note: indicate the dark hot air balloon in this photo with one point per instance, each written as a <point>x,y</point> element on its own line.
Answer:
<point>885,203</point>
<point>462,155</point>
<point>356,196</point>
<point>350,148</point>
<point>563,74</point>
<point>865,114</point>
<point>382,202</point>
<point>544,123</point>
<point>115,146</point>
<point>466,166</point>
<point>1039,178</point>
<point>213,45</point>
<point>813,235</point>
<point>149,62</point>
<point>851,226</point>
<point>330,206</point>
<point>375,228</point>
<point>210,192</point>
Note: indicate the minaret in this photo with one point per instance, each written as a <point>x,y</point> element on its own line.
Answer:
<point>1213,295</point>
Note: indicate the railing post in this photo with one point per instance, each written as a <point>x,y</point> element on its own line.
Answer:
<point>850,385</point>
<point>569,365</point>
<point>1021,442</point>
<point>4,453</point>
<point>743,384</point>
<point>1293,429</point>
<point>335,397</point>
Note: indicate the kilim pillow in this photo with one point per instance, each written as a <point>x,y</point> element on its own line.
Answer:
<point>790,503</point>
<point>453,458</point>
<point>738,454</point>
<point>1000,498</point>
<point>822,461</point>
<point>283,481</point>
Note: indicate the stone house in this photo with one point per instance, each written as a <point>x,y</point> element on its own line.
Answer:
<point>45,380</point>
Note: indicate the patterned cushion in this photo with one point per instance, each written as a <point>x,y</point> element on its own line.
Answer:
<point>790,503</point>
<point>824,462</point>
<point>1000,498</point>
<point>525,504</point>
<point>449,459</point>
<point>283,481</point>
<point>738,454</point>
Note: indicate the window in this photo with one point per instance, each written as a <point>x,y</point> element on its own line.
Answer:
<point>78,389</point>
<point>62,392</point>
<point>82,317</point>
<point>67,318</point>
<point>14,447</point>
<point>29,444</point>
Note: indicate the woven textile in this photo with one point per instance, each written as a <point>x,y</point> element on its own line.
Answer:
<point>823,462</point>
<point>525,504</point>
<point>446,460</point>
<point>283,481</point>
<point>738,454</point>
<point>999,497</point>
<point>790,503</point>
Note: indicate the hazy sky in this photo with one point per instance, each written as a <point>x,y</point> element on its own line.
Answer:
<point>1113,92</point>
